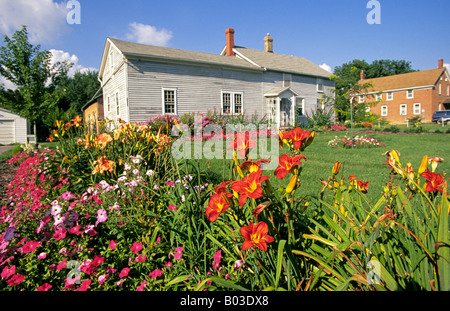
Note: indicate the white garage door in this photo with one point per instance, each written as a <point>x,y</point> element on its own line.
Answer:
<point>6,132</point>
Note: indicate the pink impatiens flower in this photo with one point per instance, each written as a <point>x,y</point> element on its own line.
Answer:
<point>217,258</point>
<point>7,272</point>
<point>15,280</point>
<point>178,253</point>
<point>156,273</point>
<point>112,245</point>
<point>124,272</point>
<point>30,246</point>
<point>101,216</point>
<point>60,234</point>
<point>142,286</point>
<point>136,247</point>
<point>44,287</point>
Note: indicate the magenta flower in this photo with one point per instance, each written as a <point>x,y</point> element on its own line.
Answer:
<point>44,287</point>
<point>156,273</point>
<point>178,253</point>
<point>141,287</point>
<point>140,258</point>
<point>217,258</point>
<point>172,207</point>
<point>62,265</point>
<point>112,245</point>
<point>42,256</point>
<point>124,272</point>
<point>7,272</point>
<point>59,234</point>
<point>30,246</point>
<point>136,247</point>
<point>15,280</point>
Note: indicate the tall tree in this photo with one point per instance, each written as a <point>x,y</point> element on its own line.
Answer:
<point>32,72</point>
<point>347,76</point>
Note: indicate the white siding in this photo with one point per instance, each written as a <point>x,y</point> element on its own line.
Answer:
<point>199,88</point>
<point>13,128</point>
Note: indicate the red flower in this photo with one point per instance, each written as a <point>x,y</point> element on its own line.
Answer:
<point>256,236</point>
<point>217,205</point>
<point>15,280</point>
<point>362,186</point>
<point>60,234</point>
<point>298,137</point>
<point>433,182</point>
<point>242,142</point>
<point>251,166</point>
<point>287,164</point>
<point>124,272</point>
<point>249,186</point>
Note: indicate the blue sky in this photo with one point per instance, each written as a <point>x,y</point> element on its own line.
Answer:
<point>330,32</point>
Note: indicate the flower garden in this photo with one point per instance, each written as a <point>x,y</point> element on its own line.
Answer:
<point>117,212</point>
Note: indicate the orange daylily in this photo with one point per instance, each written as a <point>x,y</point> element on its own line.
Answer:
<point>434,182</point>
<point>102,165</point>
<point>217,205</point>
<point>299,137</point>
<point>242,142</point>
<point>251,166</point>
<point>77,121</point>
<point>256,235</point>
<point>362,186</point>
<point>249,186</point>
<point>103,139</point>
<point>336,168</point>
<point>287,165</point>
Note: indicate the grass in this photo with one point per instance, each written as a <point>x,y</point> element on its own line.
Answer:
<point>366,164</point>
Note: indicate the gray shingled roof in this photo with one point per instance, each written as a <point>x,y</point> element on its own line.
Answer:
<point>137,49</point>
<point>285,63</point>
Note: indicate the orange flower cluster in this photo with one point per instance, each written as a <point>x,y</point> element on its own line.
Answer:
<point>102,165</point>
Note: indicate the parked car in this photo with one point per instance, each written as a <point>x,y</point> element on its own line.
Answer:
<point>441,116</point>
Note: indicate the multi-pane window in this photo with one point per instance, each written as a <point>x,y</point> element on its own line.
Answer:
<point>410,94</point>
<point>403,110</point>
<point>169,98</point>
<point>361,99</point>
<point>319,85</point>
<point>379,97</point>
<point>384,111</point>
<point>417,108</point>
<point>389,96</point>
<point>232,103</point>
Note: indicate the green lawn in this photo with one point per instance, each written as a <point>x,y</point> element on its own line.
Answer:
<point>366,164</point>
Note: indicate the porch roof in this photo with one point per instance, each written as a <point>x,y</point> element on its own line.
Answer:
<point>278,91</point>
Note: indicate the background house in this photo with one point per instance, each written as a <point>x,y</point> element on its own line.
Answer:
<point>93,112</point>
<point>408,95</point>
<point>13,128</point>
<point>140,81</point>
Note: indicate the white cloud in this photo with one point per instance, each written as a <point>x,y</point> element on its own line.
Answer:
<point>7,84</point>
<point>147,34</point>
<point>60,56</point>
<point>326,67</point>
<point>46,20</point>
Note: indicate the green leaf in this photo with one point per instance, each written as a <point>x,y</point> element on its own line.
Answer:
<point>221,282</point>
<point>279,261</point>
<point>176,280</point>
<point>444,248</point>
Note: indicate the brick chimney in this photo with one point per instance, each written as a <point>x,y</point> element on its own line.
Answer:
<point>268,43</point>
<point>230,41</point>
<point>362,75</point>
<point>440,63</point>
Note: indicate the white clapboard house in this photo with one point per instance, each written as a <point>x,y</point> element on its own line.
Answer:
<point>13,128</point>
<point>140,81</point>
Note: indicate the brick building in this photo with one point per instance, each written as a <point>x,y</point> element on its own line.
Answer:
<point>404,96</point>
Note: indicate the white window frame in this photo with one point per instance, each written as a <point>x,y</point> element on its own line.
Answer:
<point>361,99</point>
<point>111,59</point>
<point>319,85</point>
<point>108,103</point>
<point>175,98</point>
<point>384,111</point>
<point>440,88</point>
<point>232,102</point>
<point>379,97</point>
<point>390,96</point>
<point>410,94</point>
<point>448,90</point>
<point>117,102</point>
<point>417,108</point>
<point>403,109</point>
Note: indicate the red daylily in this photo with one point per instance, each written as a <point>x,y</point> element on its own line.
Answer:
<point>433,182</point>
<point>287,164</point>
<point>242,142</point>
<point>249,186</point>
<point>298,137</point>
<point>251,166</point>
<point>362,186</point>
<point>256,235</point>
<point>217,205</point>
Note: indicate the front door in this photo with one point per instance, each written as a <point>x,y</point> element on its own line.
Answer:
<point>285,112</point>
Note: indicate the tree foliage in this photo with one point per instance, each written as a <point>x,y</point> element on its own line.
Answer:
<point>35,77</point>
<point>347,76</point>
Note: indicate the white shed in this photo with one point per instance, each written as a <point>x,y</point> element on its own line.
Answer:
<point>13,128</point>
